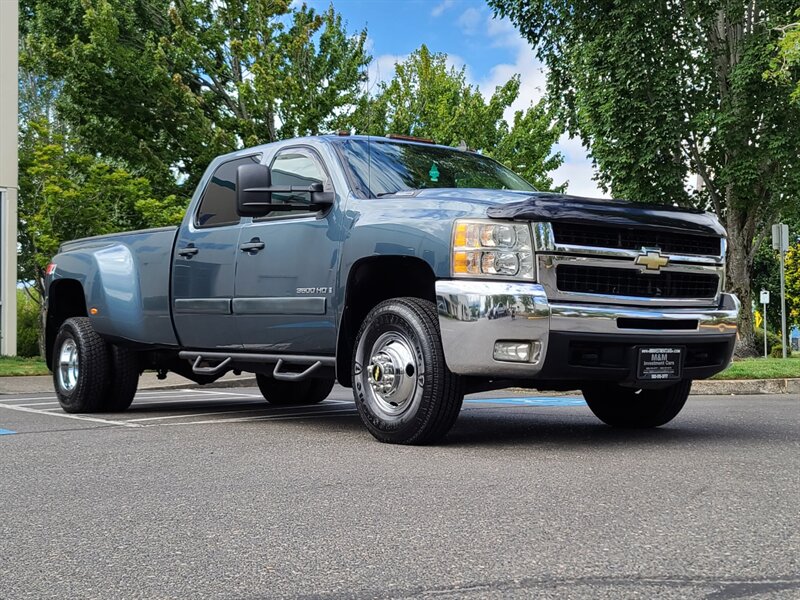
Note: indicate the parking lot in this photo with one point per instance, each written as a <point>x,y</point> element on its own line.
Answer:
<point>213,493</point>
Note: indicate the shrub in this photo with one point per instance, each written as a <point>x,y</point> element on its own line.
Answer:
<point>776,352</point>
<point>28,325</point>
<point>773,340</point>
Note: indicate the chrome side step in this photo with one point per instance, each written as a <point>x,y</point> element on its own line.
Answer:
<point>232,361</point>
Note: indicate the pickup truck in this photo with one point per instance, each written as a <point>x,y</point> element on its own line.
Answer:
<point>411,272</point>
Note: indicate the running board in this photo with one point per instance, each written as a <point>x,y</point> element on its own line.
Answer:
<point>229,361</point>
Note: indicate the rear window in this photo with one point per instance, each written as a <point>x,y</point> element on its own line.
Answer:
<point>218,204</point>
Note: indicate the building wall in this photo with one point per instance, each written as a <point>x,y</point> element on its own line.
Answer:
<point>8,176</point>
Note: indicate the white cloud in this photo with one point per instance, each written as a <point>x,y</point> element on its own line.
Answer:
<point>531,72</point>
<point>382,69</point>
<point>577,167</point>
<point>469,20</point>
<point>440,8</point>
<point>576,170</point>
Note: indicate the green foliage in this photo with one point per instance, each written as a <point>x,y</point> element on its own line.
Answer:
<point>785,65</point>
<point>428,99</point>
<point>28,325</point>
<point>773,340</point>
<point>15,366</point>
<point>66,194</point>
<point>762,368</point>
<point>766,276</point>
<point>792,266</point>
<point>166,86</point>
<point>526,148</point>
<point>776,352</point>
<point>659,90</point>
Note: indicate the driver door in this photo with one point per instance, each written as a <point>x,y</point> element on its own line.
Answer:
<point>285,282</point>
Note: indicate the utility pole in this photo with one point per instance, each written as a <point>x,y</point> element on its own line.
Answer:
<point>780,242</point>
<point>9,63</point>
<point>765,302</point>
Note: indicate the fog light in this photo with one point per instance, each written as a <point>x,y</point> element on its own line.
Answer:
<point>517,351</point>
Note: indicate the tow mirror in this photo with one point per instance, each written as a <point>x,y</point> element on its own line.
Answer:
<point>254,191</point>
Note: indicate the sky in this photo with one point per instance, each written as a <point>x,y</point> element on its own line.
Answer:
<point>490,49</point>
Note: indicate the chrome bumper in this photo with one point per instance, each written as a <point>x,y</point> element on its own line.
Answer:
<point>474,315</point>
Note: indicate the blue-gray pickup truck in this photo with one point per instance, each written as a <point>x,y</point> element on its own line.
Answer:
<point>413,273</point>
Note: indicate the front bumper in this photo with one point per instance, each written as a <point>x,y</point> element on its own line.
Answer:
<point>572,341</point>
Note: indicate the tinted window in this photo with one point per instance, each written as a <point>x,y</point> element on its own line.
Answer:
<point>218,205</point>
<point>381,167</point>
<point>296,166</point>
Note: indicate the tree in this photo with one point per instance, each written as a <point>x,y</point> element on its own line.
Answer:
<point>165,86</point>
<point>427,98</point>
<point>66,194</point>
<point>793,285</point>
<point>658,90</point>
<point>785,64</point>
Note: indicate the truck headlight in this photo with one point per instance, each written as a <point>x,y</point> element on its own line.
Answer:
<point>492,249</point>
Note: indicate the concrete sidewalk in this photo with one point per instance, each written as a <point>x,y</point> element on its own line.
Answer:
<point>149,381</point>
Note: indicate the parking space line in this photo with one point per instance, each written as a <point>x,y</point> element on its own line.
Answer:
<point>229,393</point>
<point>187,416</point>
<point>64,415</point>
<point>530,401</point>
<point>42,397</point>
<point>7,432</point>
<point>281,417</point>
<point>38,403</point>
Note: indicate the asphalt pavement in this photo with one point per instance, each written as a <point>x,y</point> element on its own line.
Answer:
<point>213,493</point>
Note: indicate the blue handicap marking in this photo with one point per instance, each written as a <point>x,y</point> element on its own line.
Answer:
<point>7,432</point>
<point>531,401</point>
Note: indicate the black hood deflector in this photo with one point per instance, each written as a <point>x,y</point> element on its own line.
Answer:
<point>590,211</point>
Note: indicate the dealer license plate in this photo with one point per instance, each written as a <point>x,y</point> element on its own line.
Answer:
<point>660,364</point>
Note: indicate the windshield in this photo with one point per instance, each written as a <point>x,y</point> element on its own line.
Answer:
<point>382,167</point>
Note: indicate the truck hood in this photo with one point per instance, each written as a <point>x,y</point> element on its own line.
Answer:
<point>546,206</point>
<point>541,206</point>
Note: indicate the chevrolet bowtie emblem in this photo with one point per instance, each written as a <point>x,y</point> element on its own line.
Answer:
<point>652,260</point>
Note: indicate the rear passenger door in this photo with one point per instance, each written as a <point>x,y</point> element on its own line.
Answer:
<point>204,264</point>
<point>285,289</point>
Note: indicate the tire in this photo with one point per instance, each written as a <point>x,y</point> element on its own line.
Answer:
<point>124,379</point>
<point>631,408</point>
<point>81,366</point>
<point>294,393</point>
<point>403,390</point>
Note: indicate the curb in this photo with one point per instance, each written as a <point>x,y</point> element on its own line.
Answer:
<point>703,387</point>
<point>707,387</point>
<point>746,387</point>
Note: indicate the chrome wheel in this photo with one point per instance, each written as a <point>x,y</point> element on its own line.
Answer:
<point>392,374</point>
<point>68,366</point>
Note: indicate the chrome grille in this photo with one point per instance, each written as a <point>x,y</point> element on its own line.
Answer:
<point>634,283</point>
<point>601,236</point>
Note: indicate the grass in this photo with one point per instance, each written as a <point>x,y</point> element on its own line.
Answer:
<point>13,365</point>
<point>748,368</point>
<point>762,368</point>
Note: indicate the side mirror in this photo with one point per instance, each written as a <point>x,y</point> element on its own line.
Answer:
<point>253,190</point>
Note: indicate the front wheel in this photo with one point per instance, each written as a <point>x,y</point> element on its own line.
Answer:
<point>632,408</point>
<point>404,392</point>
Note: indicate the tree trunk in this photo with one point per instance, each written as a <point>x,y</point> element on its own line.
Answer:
<point>739,268</point>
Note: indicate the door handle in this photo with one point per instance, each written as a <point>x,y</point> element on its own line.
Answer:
<point>252,246</point>
<point>188,252</point>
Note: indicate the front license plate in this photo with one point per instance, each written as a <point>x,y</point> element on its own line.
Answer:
<point>659,364</point>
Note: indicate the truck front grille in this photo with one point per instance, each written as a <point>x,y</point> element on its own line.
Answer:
<point>631,282</point>
<point>601,236</point>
